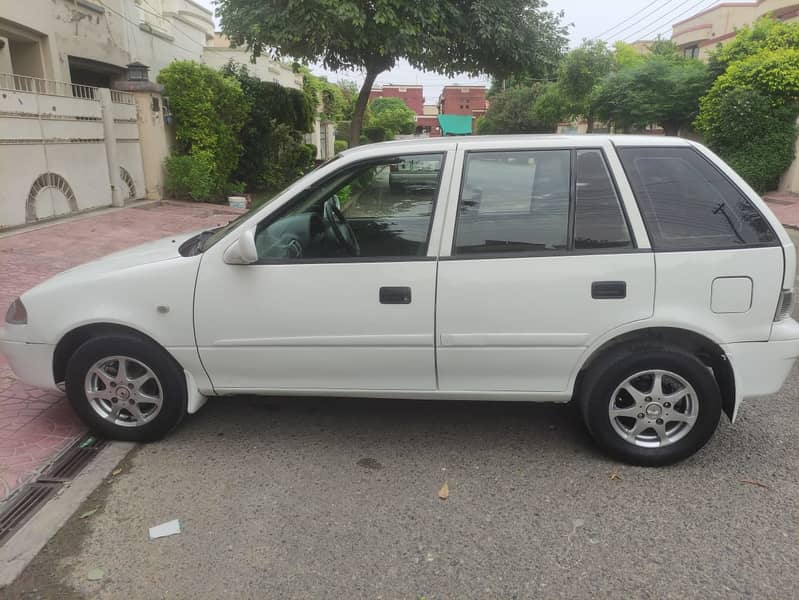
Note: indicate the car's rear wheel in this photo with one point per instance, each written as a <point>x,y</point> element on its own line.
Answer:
<point>125,387</point>
<point>650,406</point>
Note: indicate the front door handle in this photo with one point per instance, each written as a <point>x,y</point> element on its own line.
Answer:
<point>395,295</point>
<point>608,290</point>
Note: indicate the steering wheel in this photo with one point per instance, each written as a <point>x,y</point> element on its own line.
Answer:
<point>345,236</point>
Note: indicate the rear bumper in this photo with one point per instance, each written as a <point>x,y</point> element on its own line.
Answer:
<point>761,368</point>
<point>31,363</point>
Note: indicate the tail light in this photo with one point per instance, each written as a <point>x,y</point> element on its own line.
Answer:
<point>785,305</point>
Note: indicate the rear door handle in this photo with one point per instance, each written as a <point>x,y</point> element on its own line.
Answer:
<point>608,290</point>
<point>395,295</point>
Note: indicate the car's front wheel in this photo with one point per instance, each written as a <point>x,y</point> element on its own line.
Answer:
<point>651,406</point>
<point>125,387</point>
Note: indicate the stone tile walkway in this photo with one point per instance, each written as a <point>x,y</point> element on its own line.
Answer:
<point>36,424</point>
<point>785,206</point>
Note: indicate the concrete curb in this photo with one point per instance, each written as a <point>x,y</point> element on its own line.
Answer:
<point>20,549</point>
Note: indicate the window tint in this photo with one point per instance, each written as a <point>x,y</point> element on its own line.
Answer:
<point>688,204</point>
<point>598,220</point>
<point>381,209</point>
<point>514,202</point>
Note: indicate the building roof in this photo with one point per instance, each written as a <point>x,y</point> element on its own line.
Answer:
<point>455,124</point>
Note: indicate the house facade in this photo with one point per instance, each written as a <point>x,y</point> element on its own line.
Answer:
<point>82,123</point>
<point>698,35</point>
<point>411,95</point>
<point>463,100</point>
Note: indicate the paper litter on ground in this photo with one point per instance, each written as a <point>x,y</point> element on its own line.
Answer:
<point>165,529</point>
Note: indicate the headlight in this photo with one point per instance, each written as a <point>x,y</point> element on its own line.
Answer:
<point>17,315</point>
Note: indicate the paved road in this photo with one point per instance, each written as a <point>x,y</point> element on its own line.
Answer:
<point>337,499</point>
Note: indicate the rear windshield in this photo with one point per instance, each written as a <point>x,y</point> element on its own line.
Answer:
<point>688,204</point>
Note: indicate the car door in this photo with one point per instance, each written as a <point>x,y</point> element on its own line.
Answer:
<point>538,261</point>
<point>313,313</point>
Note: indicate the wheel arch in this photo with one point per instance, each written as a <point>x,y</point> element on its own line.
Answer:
<point>707,350</point>
<point>74,338</point>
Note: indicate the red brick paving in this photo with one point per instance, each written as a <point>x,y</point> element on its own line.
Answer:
<point>36,424</point>
<point>785,206</point>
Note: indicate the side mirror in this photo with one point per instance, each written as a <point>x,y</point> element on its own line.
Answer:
<point>243,250</point>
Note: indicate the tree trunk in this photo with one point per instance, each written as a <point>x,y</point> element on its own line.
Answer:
<point>590,123</point>
<point>360,105</point>
<point>671,129</point>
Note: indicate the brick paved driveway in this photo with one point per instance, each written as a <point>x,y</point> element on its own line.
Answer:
<point>36,424</point>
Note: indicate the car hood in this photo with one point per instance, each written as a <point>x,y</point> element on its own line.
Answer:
<point>150,252</point>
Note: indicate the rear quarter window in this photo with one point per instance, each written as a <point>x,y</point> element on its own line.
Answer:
<point>688,204</point>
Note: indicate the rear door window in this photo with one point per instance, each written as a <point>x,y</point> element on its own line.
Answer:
<point>688,204</point>
<point>598,221</point>
<point>514,201</point>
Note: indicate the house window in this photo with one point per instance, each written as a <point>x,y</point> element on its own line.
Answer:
<point>691,52</point>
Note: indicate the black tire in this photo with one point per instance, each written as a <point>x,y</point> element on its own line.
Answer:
<point>611,370</point>
<point>169,374</point>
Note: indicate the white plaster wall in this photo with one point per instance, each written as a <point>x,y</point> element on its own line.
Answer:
<point>263,68</point>
<point>124,111</point>
<point>126,130</point>
<point>85,168</point>
<point>5,56</point>
<point>155,144</point>
<point>129,156</point>
<point>67,140</point>
<point>20,165</point>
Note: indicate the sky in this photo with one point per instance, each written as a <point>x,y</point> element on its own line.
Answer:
<point>613,20</point>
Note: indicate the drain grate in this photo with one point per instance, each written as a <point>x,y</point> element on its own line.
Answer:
<point>23,505</point>
<point>28,499</point>
<point>72,460</point>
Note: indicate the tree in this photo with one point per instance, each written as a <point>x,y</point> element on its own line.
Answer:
<point>393,115</point>
<point>571,94</point>
<point>513,111</point>
<point>447,36</point>
<point>580,71</point>
<point>660,89</point>
<point>625,55</point>
<point>209,111</point>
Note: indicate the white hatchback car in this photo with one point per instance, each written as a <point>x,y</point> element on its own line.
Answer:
<point>638,276</point>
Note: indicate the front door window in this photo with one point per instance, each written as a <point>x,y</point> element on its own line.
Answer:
<point>380,209</point>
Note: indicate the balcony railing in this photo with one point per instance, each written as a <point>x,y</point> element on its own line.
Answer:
<point>22,83</point>
<point>119,97</point>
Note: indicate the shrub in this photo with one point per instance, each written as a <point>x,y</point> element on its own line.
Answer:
<point>374,133</point>
<point>749,115</point>
<point>209,111</point>
<point>755,137</point>
<point>191,175</point>
<point>340,146</point>
<point>765,34</point>
<point>272,135</point>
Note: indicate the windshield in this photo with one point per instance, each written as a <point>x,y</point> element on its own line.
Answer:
<point>221,232</point>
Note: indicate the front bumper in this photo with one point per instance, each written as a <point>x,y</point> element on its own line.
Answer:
<point>31,363</point>
<point>761,368</point>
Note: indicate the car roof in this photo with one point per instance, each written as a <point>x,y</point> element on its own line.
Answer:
<point>496,140</point>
